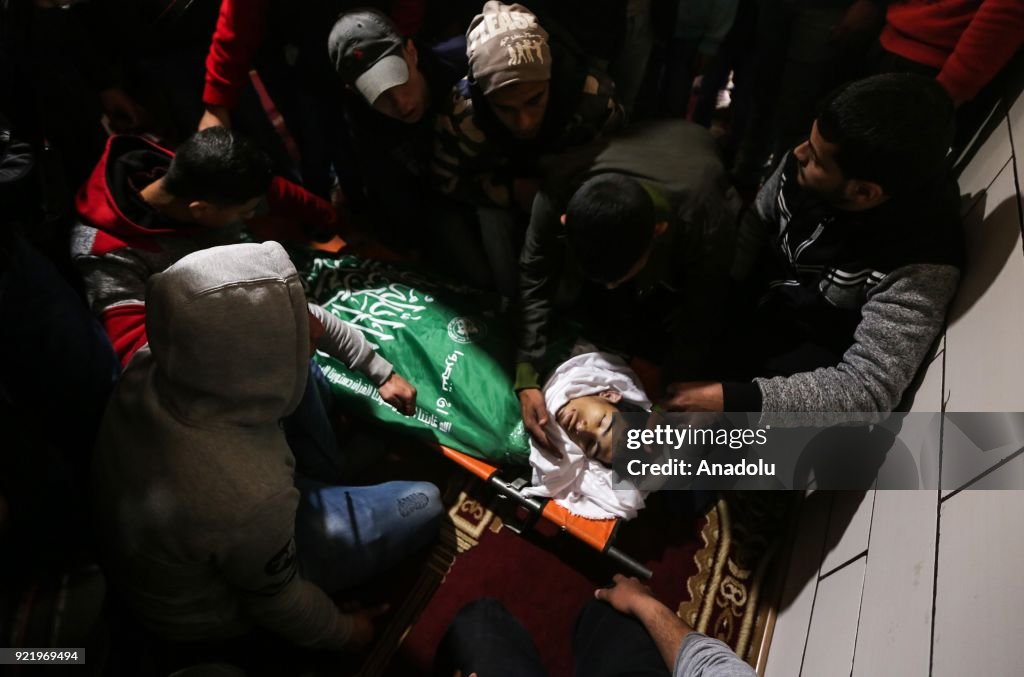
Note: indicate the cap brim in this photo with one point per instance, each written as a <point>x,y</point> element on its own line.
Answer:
<point>388,72</point>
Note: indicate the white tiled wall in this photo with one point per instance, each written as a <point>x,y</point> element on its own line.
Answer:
<point>918,583</point>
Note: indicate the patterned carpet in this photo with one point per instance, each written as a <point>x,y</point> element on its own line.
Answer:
<point>732,594</point>
<point>714,568</point>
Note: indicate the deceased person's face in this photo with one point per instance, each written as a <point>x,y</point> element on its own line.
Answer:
<point>589,420</point>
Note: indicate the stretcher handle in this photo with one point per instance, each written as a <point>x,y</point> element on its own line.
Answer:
<point>628,563</point>
<point>535,507</point>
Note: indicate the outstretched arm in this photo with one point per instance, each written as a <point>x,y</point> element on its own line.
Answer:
<point>538,264</point>
<point>344,341</point>
<point>686,652</point>
<point>630,596</point>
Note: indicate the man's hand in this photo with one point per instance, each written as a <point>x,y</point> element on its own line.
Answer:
<point>535,417</point>
<point>695,396</point>
<point>627,595</point>
<point>123,112</point>
<point>215,116</point>
<point>630,596</point>
<point>399,393</point>
<point>362,627</point>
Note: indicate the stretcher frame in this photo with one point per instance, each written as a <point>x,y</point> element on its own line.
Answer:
<point>598,534</point>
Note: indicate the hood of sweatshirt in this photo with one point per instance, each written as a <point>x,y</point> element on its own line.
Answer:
<point>229,335</point>
<point>110,201</point>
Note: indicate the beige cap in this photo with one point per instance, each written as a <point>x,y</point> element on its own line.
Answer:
<point>506,45</point>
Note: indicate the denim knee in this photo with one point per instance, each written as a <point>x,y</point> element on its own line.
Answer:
<point>423,498</point>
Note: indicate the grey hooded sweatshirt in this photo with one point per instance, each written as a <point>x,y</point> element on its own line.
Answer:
<point>193,480</point>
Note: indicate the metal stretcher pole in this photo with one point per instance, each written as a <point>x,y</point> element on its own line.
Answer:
<point>535,507</point>
<point>628,563</point>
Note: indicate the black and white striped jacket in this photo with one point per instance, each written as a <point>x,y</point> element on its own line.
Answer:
<point>880,280</point>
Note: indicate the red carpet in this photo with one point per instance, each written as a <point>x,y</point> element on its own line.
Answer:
<point>545,580</point>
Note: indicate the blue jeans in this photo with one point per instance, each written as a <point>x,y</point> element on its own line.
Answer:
<point>344,535</point>
<point>309,432</point>
<point>502,233</point>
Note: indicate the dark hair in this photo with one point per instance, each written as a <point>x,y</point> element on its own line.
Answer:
<point>893,129</point>
<point>218,166</point>
<point>610,224</point>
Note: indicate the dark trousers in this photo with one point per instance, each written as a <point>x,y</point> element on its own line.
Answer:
<point>734,56</point>
<point>486,638</point>
<point>480,246</point>
<point>607,643</point>
<point>769,335</point>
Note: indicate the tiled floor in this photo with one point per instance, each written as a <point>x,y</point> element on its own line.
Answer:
<point>895,614</point>
<point>979,589</point>
<point>927,582</point>
<point>848,528</point>
<point>833,632</point>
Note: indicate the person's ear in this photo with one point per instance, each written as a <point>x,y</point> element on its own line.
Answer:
<point>613,396</point>
<point>199,209</point>
<point>865,194</point>
<point>411,54</point>
<point>562,219</point>
<point>660,228</point>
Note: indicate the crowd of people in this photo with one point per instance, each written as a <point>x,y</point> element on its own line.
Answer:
<point>793,251</point>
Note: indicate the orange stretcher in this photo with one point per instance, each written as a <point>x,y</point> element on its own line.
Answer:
<point>598,534</point>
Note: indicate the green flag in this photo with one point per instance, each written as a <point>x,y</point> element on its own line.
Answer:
<point>444,339</point>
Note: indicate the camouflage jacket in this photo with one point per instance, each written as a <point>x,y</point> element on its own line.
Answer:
<point>476,161</point>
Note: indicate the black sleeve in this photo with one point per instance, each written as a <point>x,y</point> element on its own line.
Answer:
<point>542,256</point>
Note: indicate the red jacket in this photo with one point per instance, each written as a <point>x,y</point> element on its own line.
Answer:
<point>120,242</point>
<point>241,27</point>
<point>968,41</point>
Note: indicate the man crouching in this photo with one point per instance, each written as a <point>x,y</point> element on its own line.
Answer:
<point>204,527</point>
